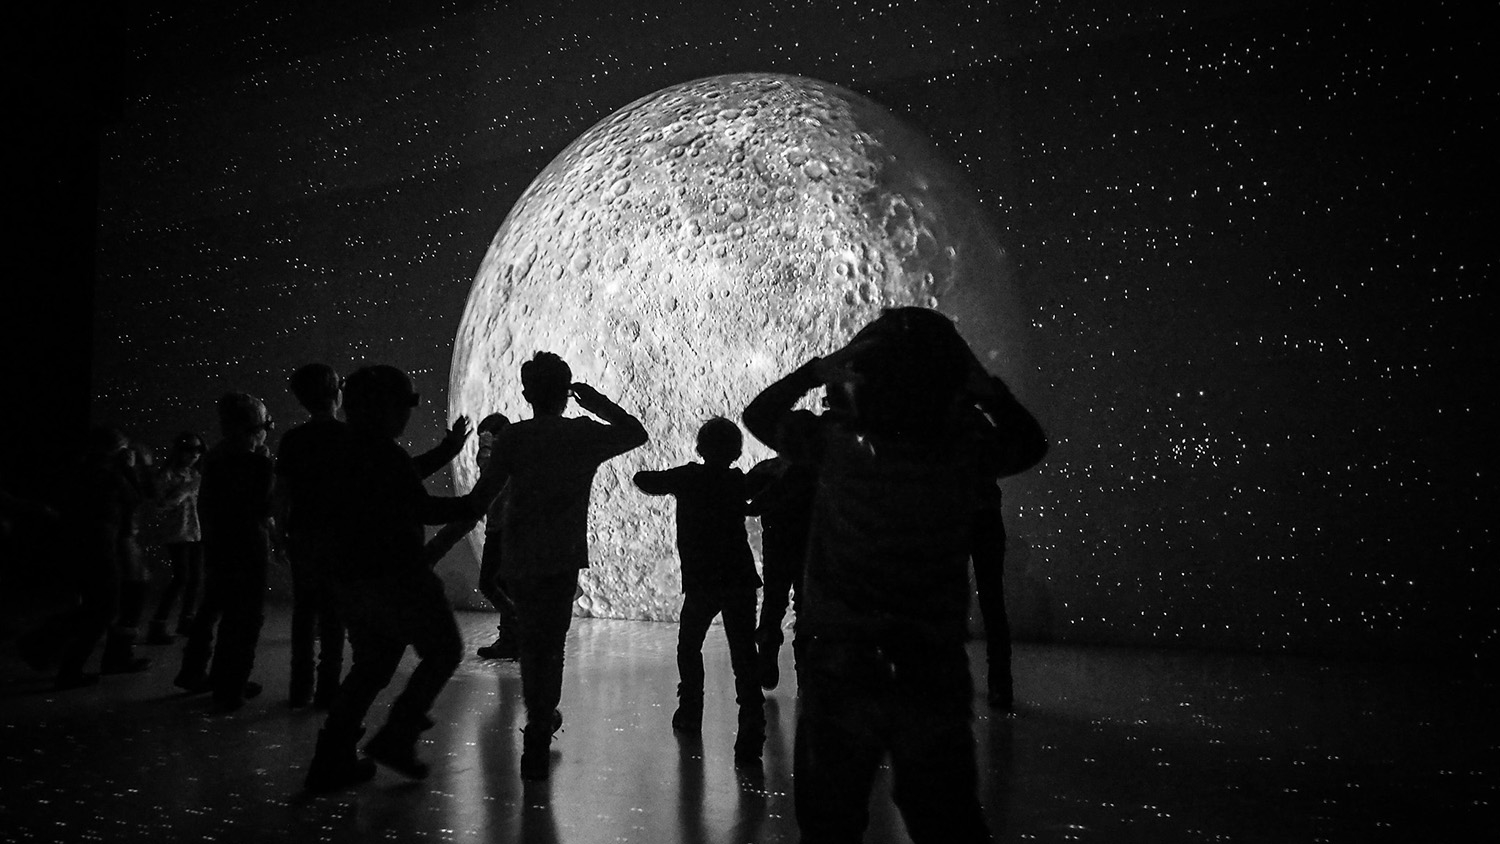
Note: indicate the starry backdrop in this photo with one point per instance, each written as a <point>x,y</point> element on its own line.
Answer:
<point>1248,241</point>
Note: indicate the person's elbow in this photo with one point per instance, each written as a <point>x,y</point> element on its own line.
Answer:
<point>760,424</point>
<point>1021,456</point>
<point>1032,456</point>
<point>635,434</point>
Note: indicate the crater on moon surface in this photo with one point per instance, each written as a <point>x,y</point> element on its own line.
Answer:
<point>691,248</point>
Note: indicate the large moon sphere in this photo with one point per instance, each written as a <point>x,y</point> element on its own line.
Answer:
<point>693,247</point>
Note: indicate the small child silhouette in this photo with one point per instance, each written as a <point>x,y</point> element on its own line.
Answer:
<point>718,575</point>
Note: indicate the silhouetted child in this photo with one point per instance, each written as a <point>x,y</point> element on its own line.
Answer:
<point>234,507</point>
<point>491,586</point>
<point>385,592</point>
<point>308,498</point>
<point>884,668</point>
<point>781,494</point>
<point>547,465</point>
<point>718,576</point>
<point>99,515</point>
<point>177,530</point>
<point>310,503</point>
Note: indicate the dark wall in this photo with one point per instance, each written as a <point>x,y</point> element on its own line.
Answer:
<point>64,89</point>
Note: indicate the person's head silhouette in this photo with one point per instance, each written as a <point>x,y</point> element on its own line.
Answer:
<point>908,366</point>
<point>380,399</point>
<point>187,449</point>
<point>244,420</point>
<point>720,441</point>
<point>492,424</point>
<point>545,381</point>
<point>316,386</point>
<point>489,426</point>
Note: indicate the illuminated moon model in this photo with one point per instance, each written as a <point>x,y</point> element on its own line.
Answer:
<point>693,247</point>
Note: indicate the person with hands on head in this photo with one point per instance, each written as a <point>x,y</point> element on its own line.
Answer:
<point>883,669</point>
<point>546,465</point>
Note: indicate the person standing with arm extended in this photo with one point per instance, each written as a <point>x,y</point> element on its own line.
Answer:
<point>546,465</point>
<point>718,576</point>
<point>385,592</point>
<point>490,584</point>
<point>308,502</point>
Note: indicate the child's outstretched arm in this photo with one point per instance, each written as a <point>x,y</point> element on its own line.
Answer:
<point>663,482</point>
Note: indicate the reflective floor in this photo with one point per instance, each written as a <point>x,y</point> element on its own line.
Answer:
<point>1108,745</point>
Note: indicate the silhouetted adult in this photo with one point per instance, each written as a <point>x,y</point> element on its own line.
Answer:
<point>177,531</point>
<point>548,463</point>
<point>385,592</point>
<point>781,494</point>
<point>884,667</point>
<point>490,584</point>
<point>234,507</point>
<point>718,576</point>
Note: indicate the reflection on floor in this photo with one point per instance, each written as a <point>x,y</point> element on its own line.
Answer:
<point>1107,745</point>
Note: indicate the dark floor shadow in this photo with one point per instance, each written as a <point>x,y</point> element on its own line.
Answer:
<point>690,789</point>
<point>750,810</point>
<point>501,764</point>
<point>996,758</point>
<point>538,823</point>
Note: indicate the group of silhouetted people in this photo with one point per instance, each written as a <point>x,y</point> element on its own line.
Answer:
<point>871,512</point>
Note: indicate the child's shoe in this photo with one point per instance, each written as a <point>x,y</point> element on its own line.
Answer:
<point>395,746</point>
<point>751,738</point>
<point>504,646</point>
<point>335,764</point>
<point>536,747</point>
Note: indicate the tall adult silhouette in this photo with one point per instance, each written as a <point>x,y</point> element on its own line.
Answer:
<point>883,668</point>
